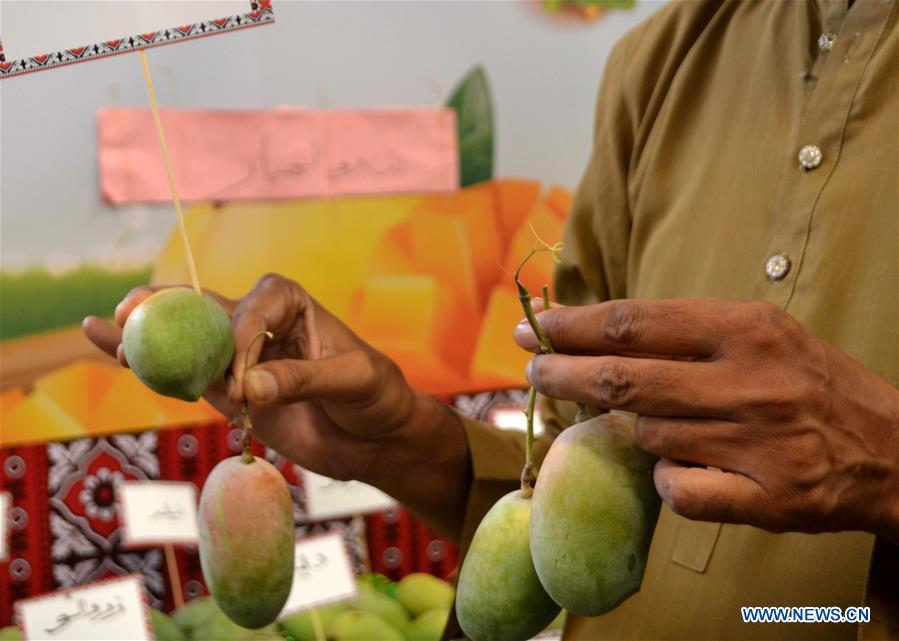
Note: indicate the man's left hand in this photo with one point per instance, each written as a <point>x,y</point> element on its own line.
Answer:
<point>804,438</point>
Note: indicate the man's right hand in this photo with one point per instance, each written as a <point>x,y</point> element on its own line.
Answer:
<point>318,393</point>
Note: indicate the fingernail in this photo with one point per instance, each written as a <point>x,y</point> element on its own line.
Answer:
<point>664,488</point>
<point>664,491</point>
<point>262,385</point>
<point>528,369</point>
<point>524,334</point>
<point>117,313</point>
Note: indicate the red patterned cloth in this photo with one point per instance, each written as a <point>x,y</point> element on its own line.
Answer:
<point>64,522</point>
<point>65,529</point>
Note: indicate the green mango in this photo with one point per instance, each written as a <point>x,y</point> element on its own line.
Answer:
<point>10,633</point>
<point>202,620</point>
<point>370,600</point>
<point>594,512</point>
<point>379,582</point>
<point>178,342</point>
<point>420,592</point>
<point>164,627</point>
<point>499,597</point>
<point>427,626</point>
<point>300,625</point>
<point>247,540</point>
<point>356,625</point>
<point>558,623</point>
<point>195,614</point>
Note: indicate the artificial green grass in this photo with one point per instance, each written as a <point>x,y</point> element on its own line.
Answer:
<point>34,300</point>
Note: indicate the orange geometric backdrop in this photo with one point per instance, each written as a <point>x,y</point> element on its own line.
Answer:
<point>426,279</point>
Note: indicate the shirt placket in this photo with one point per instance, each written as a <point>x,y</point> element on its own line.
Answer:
<point>844,48</point>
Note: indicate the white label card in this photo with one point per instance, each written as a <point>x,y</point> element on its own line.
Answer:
<point>109,610</point>
<point>158,512</point>
<point>323,573</point>
<point>328,499</point>
<point>5,507</point>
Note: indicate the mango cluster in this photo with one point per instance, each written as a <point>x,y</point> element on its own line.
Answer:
<point>413,609</point>
<point>202,620</point>
<point>578,539</point>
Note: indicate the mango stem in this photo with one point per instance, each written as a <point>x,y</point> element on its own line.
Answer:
<point>529,473</point>
<point>524,297</point>
<point>247,425</point>
<point>247,437</point>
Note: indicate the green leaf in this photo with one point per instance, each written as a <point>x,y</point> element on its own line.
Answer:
<point>474,115</point>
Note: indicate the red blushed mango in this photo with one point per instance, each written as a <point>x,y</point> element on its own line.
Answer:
<point>247,540</point>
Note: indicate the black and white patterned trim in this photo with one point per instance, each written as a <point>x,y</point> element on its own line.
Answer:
<point>261,14</point>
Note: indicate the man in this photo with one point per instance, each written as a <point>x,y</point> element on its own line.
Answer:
<point>742,195</point>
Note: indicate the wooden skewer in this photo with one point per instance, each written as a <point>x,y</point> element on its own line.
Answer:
<point>154,108</point>
<point>174,577</point>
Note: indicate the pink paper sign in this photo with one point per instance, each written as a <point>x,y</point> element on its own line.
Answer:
<point>277,154</point>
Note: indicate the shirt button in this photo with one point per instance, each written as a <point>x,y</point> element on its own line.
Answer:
<point>777,266</point>
<point>810,156</point>
<point>825,41</point>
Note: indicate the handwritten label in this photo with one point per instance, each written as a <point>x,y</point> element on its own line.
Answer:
<point>156,512</point>
<point>328,499</point>
<point>277,154</point>
<point>5,507</point>
<point>323,573</point>
<point>113,610</point>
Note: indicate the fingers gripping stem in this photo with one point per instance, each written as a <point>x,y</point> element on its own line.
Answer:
<point>245,422</point>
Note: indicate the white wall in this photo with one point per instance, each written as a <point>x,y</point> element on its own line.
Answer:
<point>544,73</point>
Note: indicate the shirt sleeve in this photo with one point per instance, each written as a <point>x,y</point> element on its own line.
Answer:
<point>593,269</point>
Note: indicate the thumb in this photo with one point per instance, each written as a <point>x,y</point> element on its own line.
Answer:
<point>347,377</point>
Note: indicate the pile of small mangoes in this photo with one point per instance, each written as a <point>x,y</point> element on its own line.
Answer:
<point>413,609</point>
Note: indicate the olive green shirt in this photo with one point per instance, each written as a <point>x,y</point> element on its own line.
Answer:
<point>696,188</point>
